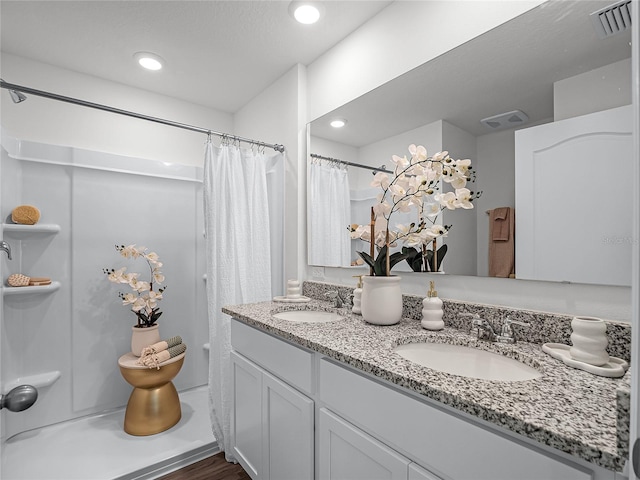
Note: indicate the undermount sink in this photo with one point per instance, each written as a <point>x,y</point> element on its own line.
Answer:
<point>308,316</point>
<point>467,362</point>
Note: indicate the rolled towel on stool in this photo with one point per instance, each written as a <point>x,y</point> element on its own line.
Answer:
<point>155,359</point>
<point>25,215</point>
<point>160,346</point>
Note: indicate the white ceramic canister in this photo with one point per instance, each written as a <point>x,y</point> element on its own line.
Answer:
<point>589,339</point>
<point>381,302</point>
<point>143,337</point>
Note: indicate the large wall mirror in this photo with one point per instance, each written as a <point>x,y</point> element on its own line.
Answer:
<point>550,63</point>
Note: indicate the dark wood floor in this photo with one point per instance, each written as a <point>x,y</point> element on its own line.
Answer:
<point>212,468</point>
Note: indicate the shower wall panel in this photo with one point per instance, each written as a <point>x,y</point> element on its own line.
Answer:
<point>99,200</point>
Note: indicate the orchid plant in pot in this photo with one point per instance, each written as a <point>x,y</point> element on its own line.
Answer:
<point>144,296</point>
<point>417,183</point>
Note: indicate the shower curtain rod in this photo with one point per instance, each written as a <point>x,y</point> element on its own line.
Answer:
<point>320,157</point>
<point>106,108</point>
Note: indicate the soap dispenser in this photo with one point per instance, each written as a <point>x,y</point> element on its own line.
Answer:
<point>432,310</point>
<point>357,296</point>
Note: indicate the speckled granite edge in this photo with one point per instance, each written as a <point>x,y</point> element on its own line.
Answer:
<point>544,327</point>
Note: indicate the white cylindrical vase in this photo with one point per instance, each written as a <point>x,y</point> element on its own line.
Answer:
<point>381,302</point>
<point>143,337</point>
<point>589,339</point>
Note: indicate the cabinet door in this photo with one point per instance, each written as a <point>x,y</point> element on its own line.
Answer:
<point>246,415</point>
<point>287,432</point>
<point>345,452</point>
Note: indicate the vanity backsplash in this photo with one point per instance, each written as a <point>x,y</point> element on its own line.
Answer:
<point>544,327</point>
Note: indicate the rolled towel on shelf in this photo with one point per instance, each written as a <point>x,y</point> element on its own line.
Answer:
<point>20,280</point>
<point>162,345</point>
<point>155,359</point>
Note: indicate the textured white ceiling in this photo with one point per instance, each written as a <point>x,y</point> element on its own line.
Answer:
<point>219,54</point>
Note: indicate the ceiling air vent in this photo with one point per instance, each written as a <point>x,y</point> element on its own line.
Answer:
<point>505,120</point>
<point>613,19</point>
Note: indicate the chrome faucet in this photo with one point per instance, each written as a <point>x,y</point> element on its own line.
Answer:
<point>4,246</point>
<point>506,332</point>
<point>339,300</point>
<point>484,329</point>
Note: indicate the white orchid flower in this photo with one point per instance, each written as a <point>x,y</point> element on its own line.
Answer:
<point>438,230</point>
<point>418,153</point>
<point>139,286</point>
<point>151,257</point>
<point>401,162</point>
<point>382,209</point>
<point>128,298</point>
<point>158,277</point>
<point>458,180</point>
<point>397,190</point>
<point>116,276</point>
<point>431,209</point>
<point>447,200</point>
<point>440,156</point>
<point>139,304</point>
<point>381,179</point>
<point>463,198</point>
<point>463,165</point>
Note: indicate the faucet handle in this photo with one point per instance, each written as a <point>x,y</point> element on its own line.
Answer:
<point>506,332</point>
<point>508,321</point>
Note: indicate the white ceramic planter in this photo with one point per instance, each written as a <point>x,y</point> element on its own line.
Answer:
<point>381,302</point>
<point>589,339</point>
<point>143,337</point>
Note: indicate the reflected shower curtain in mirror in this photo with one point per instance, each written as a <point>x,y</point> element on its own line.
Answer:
<point>329,215</point>
<point>236,209</point>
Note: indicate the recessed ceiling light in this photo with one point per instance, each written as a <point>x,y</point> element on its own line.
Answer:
<point>338,122</point>
<point>305,12</point>
<point>150,61</point>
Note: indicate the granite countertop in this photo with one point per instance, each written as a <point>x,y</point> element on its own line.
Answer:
<point>567,409</point>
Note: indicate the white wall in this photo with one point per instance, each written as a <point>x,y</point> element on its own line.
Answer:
<point>48,121</point>
<point>605,87</point>
<point>403,36</point>
<point>278,115</point>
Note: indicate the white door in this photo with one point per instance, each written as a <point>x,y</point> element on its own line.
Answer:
<point>287,432</point>
<point>345,452</point>
<point>246,415</point>
<point>582,165</point>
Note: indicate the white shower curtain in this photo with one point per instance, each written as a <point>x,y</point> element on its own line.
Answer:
<point>236,210</point>
<point>329,215</point>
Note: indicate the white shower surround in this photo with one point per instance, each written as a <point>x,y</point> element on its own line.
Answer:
<point>98,200</point>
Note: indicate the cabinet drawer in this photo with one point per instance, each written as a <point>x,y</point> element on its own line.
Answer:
<point>448,445</point>
<point>292,364</point>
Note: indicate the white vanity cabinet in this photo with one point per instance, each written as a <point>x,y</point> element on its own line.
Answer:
<point>447,444</point>
<point>346,452</point>
<point>272,423</point>
<point>365,428</point>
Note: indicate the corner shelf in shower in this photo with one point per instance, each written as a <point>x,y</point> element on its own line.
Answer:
<point>20,231</point>
<point>39,380</point>
<point>43,289</point>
